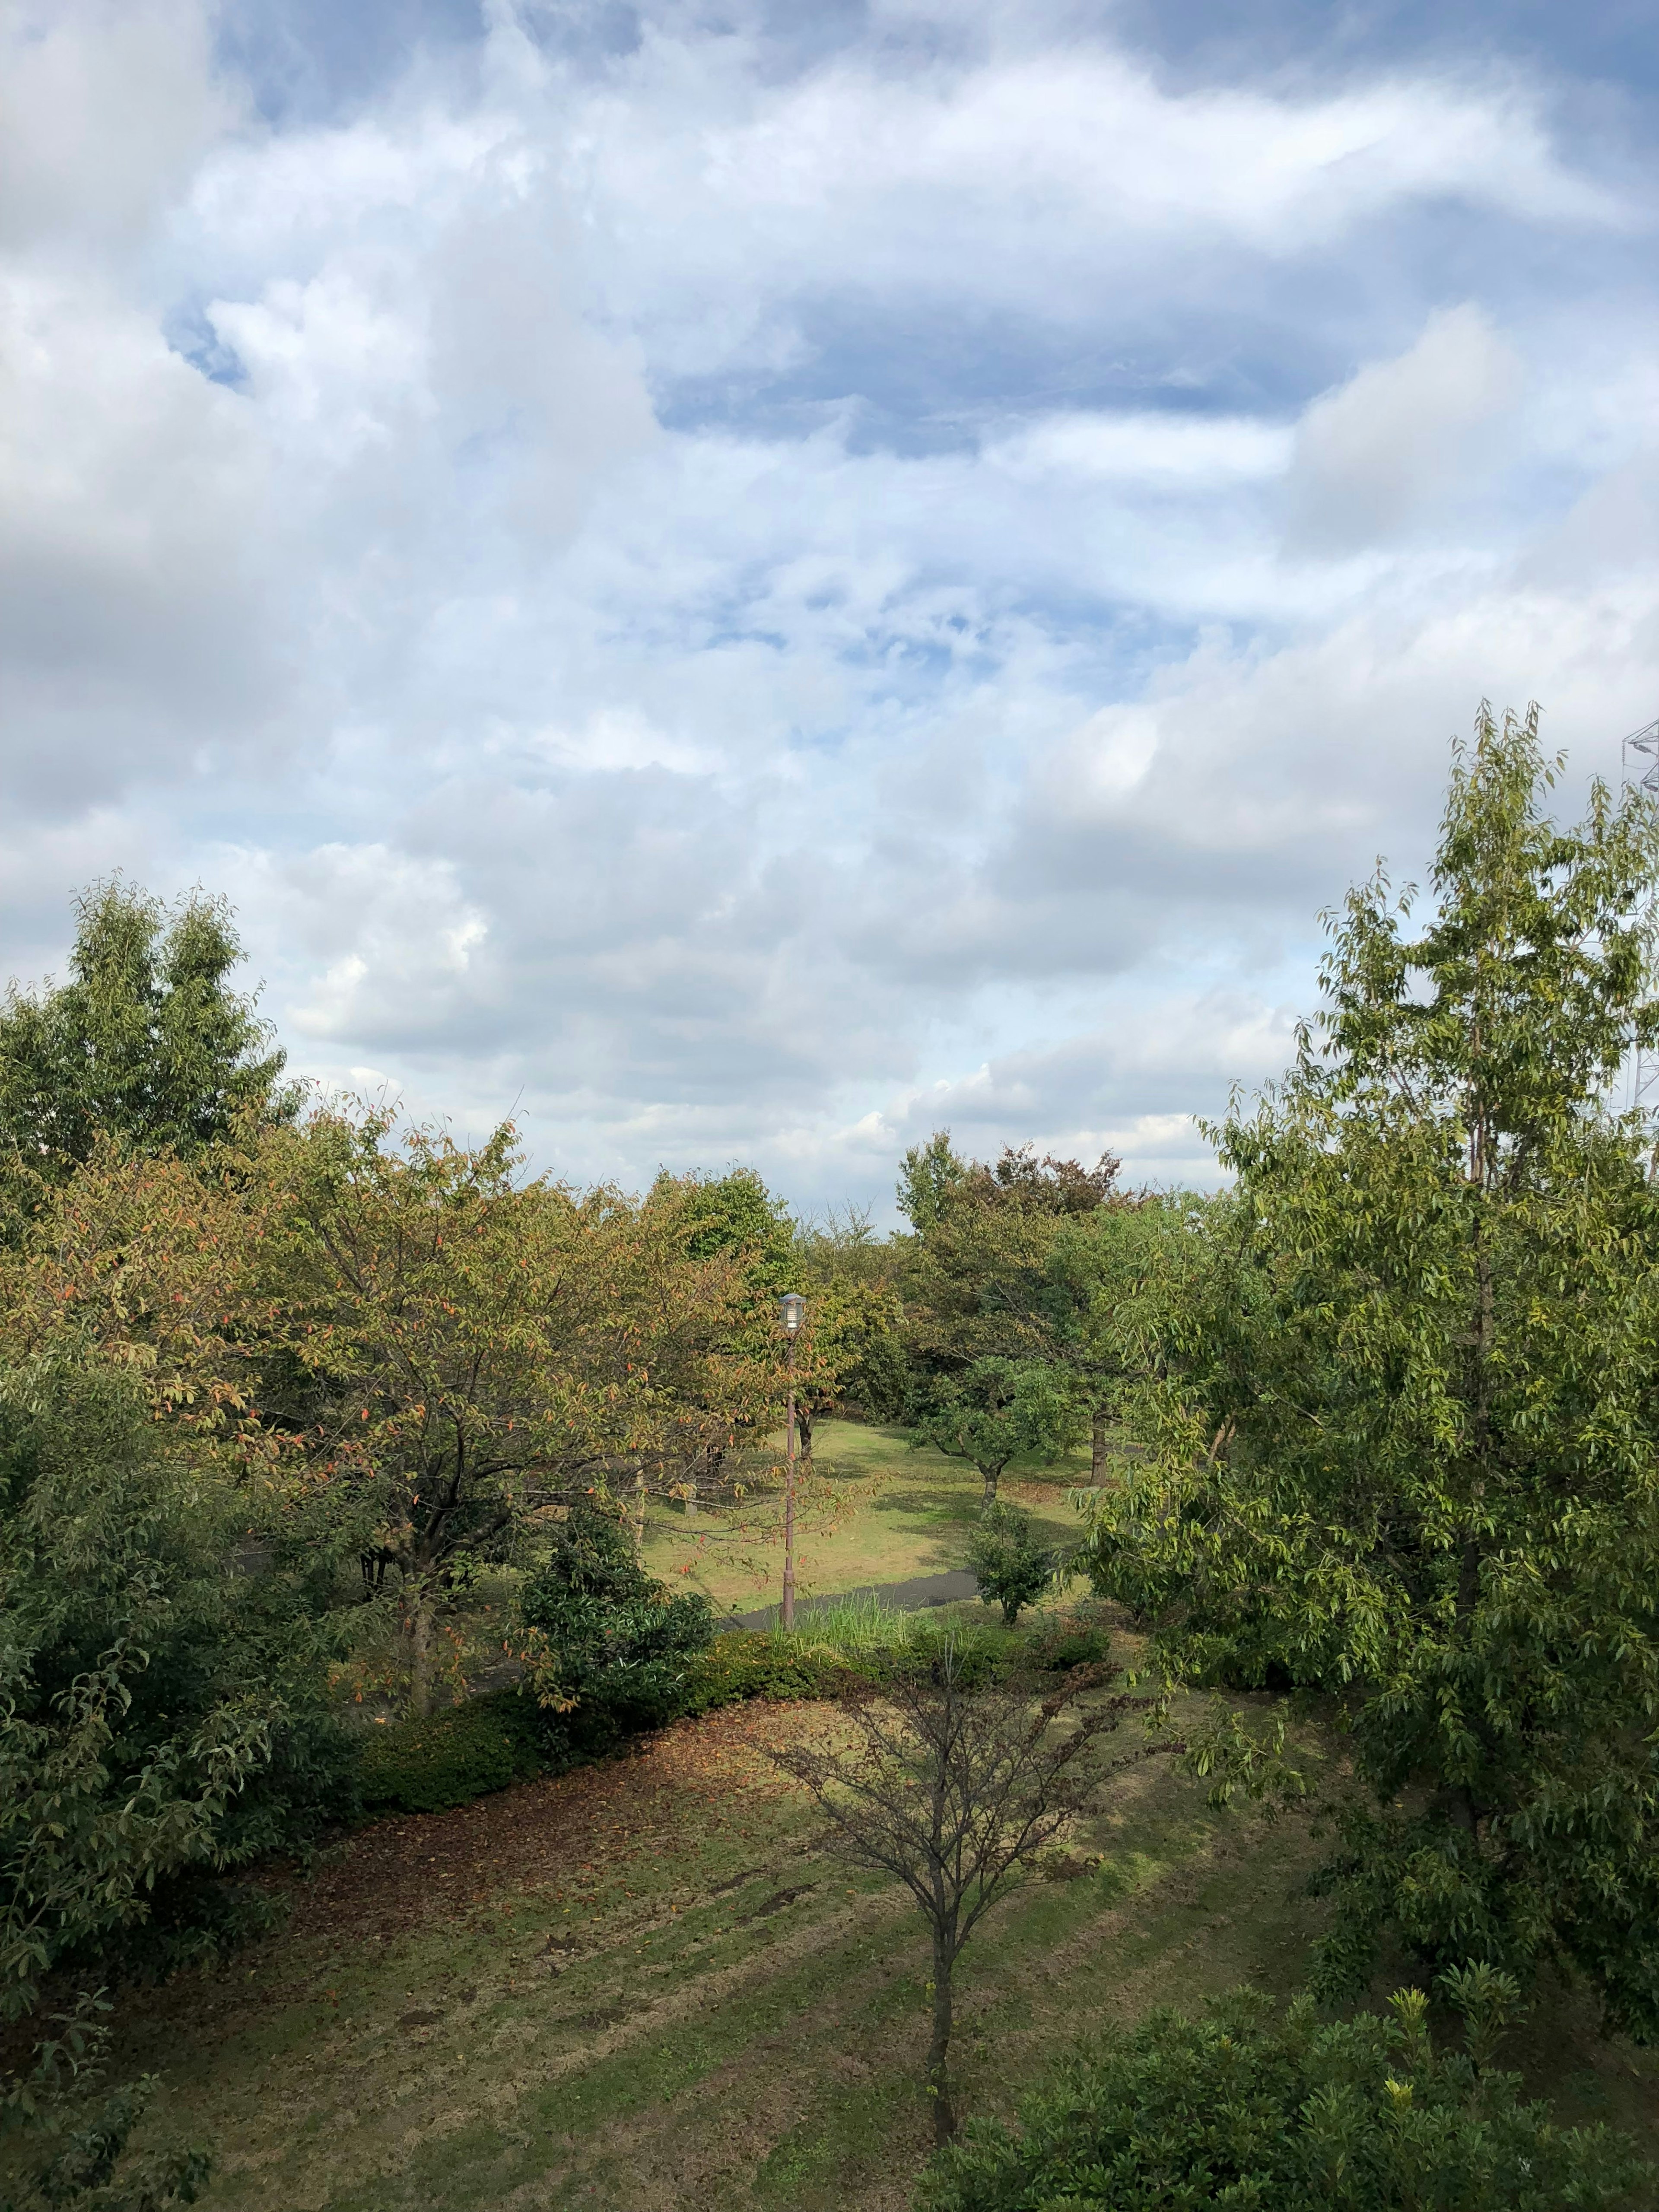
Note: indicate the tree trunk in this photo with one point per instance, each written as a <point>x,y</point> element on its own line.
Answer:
<point>417,1628</point>
<point>1098,1448</point>
<point>938,2051</point>
<point>989,1499</point>
<point>804,1432</point>
<point>691,1498</point>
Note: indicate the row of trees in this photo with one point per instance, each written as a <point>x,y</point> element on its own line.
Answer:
<point>274,1369</point>
<point>1377,1428</point>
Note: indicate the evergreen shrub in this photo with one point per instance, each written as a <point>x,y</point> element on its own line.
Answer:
<point>753,1663</point>
<point>450,1757</point>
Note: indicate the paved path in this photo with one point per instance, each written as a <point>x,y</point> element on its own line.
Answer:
<point>912,1596</point>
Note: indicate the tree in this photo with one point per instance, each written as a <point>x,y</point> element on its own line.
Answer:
<point>605,1643</point>
<point>1012,1566</point>
<point>928,1174</point>
<point>853,1313</point>
<point>1003,1410</point>
<point>459,1346</point>
<point>724,1383</point>
<point>146,1044</point>
<point>1005,1264</point>
<point>952,1787</point>
<point>1400,1421</point>
<point>162,1717</point>
<point>1290,2115</point>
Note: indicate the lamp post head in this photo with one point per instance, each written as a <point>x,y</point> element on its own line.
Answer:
<point>791,1309</point>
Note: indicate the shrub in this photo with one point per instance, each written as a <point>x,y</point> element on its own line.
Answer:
<point>1056,1645</point>
<point>1012,1566</point>
<point>753,1663</point>
<point>449,1759</point>
<point>609,1651</point>
<point>1270,2115</point>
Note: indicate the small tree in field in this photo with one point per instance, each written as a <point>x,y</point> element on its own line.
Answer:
<point>1011,1563</point>
<point>953,1787</point>
<point>1004,1410</point>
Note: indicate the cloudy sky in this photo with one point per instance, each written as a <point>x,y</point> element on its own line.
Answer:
<point>747,579</point>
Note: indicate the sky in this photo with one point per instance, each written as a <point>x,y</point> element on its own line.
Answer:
<point>746,582</point>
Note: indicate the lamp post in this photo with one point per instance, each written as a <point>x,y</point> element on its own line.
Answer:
<point>791,1309</point>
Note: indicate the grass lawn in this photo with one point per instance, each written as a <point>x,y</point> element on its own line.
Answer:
<point>642,1986</point>
<point>872,1510</point>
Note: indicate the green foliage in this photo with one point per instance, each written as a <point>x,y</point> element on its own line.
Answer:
<point>76,2130</point>
<point>1058,1643</point>
<point>928,1174</point>
<point>736,1213</point>
<point>162,1714</point>
<point>1285,2114</point>
<point>1399,1423</point>
<point>609,1650</point>
<point>145,1043</point>
<point>1012,1564</point>
<point>752,1663</point>
<point>1003,1410</point>
<point>426,1765</point>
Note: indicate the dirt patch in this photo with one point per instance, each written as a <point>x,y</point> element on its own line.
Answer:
<point>397,1875</point>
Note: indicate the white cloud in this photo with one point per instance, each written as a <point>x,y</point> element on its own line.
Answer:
<point>1401,440</point>
<point>745,603</point>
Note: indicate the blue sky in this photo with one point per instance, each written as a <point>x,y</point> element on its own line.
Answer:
<point>743,583</point>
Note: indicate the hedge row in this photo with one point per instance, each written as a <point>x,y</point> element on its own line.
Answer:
<point>451,1758</point>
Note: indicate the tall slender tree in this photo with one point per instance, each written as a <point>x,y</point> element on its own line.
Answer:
<point>1401,1422</point>
<point>146,1042</point>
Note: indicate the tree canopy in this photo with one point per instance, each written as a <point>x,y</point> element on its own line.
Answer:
<point>146,1044</point>
<point>1399,1418</point>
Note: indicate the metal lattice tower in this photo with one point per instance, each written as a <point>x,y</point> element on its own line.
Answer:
<point>1640,758</point>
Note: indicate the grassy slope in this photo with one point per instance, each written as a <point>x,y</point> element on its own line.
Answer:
<point>726,2018</point>
<point>641,1986</point>
<point>873,1511</point>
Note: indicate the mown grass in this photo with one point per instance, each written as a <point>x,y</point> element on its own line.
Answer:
<point>873,1510</point>
<point>644,1986</point>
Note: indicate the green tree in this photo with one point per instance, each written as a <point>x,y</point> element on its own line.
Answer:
<point>1000,1411</point>
<point>162,1715</point>
<point>1010,1561</point>
<point>1003,1264</point>
<point>455,1345</point>
<point>145,1043</point>
<point>928,1175</point>
<point>1289,2115</point>
<point>1401,1419</point>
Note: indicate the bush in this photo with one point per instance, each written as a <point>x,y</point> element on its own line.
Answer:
<point>449,1759</point>
<point>1271,2115</point>
<point>163,1717</point>
<point>1012,1566</point>
<point>1056,1645</point>
<point>608,1650</point>
<point>754,1663</point>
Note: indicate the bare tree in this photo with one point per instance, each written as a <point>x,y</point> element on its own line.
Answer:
<point>953,1787</point>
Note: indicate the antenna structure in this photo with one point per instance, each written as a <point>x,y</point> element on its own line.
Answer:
<point>1639,755</point>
